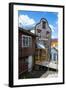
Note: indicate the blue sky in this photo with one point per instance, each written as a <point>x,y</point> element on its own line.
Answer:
<point>28,20</point>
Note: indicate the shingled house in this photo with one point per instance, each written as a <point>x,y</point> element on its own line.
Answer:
<point>43,30</point>
<point>27,42</point>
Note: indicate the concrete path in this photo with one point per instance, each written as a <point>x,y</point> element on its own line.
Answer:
<point>48,64</point>
<point>50,74</point>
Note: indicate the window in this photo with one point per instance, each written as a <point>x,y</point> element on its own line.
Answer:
<point>30,41</point>
<point>43,25</point>
<point>26,41</point>
<point>54,56</point>
<point>47,33</point>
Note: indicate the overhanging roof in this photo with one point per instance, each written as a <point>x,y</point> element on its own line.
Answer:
<point>27,32</point>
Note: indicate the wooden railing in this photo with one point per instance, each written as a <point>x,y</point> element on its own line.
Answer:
<point>41,55</point>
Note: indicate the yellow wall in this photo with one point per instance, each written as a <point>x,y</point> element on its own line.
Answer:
<point>54,43</point>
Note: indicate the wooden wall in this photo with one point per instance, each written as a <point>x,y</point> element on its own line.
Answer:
<point>26,51</point>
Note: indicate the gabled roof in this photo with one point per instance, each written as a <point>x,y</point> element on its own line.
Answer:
<point>45,20</point>
<point>54,48</point>
<point>27,32</point>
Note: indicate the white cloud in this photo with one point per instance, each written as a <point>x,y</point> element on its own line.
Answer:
<point>33,31</point>
<point>53,37</point>
<point>52,28</point>
<point>26,22</point>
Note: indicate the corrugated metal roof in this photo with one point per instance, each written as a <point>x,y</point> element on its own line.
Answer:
<point>40,46</point>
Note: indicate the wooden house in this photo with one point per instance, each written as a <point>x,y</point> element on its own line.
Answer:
<point>44,32</point>
<point>26,46</point>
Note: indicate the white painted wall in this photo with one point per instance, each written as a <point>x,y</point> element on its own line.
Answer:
<point>43,31</point>
<point>30,63</point>
<point>53,51</point>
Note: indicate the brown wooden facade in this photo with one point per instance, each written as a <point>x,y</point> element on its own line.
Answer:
<point>41,55</point>
<point>25,52</point>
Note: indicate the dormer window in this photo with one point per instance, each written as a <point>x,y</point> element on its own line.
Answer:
<point>43,24</point>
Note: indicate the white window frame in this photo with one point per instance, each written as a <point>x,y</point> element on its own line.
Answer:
<point>29,44</point>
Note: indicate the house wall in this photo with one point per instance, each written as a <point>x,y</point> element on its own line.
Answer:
<point>26,51</point>
<point>30,63</point>
<point>53,51</point>
<point>41,55</point>
<point>43,31</point>
<point>26,55</point>
<point>54,43</point>
<point>46,39</point>
<point>23,65</point>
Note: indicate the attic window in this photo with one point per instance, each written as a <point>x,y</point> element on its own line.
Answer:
<point>47,32</point>
<point>38,30</point>
<point>43,24</point>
